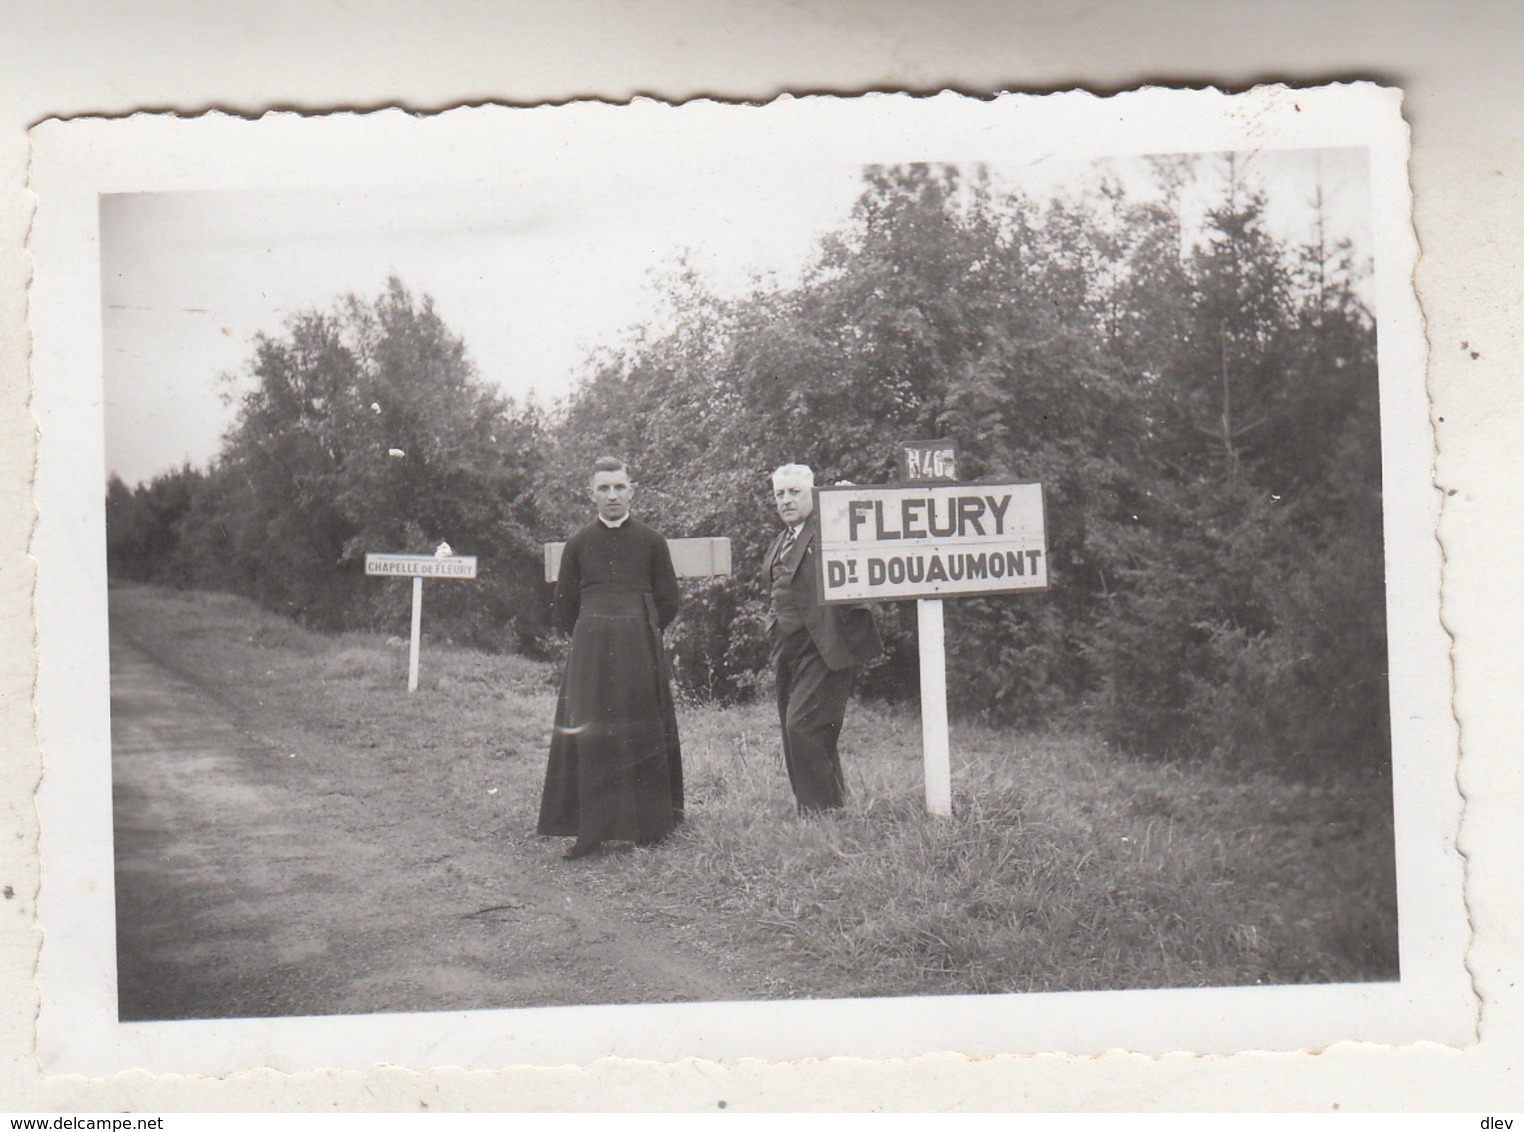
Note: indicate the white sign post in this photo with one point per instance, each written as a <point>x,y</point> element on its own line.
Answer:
<point>930,541</point>
<point>418,567</point>
<point>936,745</point>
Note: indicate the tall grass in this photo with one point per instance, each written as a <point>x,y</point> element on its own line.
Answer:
<point>1065,865</point>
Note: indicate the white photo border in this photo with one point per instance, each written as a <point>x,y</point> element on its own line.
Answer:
<point>76,162</point>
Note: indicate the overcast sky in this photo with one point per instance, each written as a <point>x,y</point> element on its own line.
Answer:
<point>533,274</point>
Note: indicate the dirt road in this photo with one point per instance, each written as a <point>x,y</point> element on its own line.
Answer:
<point>254,879</point>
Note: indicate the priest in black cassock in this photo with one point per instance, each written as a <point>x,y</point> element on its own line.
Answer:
<point>615,771</point>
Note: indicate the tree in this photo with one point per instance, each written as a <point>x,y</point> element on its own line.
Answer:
<point>1245,614</point>
<point>144,526</point>
<point>367,428</point>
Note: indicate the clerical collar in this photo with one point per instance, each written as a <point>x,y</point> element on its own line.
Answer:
<point>614,526</point>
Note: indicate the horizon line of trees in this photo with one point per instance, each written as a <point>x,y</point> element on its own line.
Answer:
<point>1199,400</point>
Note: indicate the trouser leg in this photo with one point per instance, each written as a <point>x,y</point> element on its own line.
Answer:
<point>812,702</point>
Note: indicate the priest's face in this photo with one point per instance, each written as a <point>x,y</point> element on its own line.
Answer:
<point>611,492</point>
<point>794,501</point>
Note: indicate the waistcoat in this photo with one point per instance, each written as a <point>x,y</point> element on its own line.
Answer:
<point>787,613</point>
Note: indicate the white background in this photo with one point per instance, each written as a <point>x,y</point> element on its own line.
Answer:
<point>1460,65</point>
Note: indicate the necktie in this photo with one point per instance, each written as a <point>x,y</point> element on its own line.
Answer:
<point>788,541</point>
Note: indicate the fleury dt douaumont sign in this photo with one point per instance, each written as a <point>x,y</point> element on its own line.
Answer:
<point>930,540</point>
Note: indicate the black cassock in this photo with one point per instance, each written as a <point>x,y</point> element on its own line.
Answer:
<point>615,770</point>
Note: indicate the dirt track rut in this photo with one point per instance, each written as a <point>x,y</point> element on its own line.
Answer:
<point>249,883</point>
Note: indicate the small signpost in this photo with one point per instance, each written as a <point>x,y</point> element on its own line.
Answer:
<point>928,539</point>
<point>442,563</point>
<point>924,461</point>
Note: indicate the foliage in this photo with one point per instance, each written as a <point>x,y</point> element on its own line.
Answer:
<point>367,429</point>
<point>142,526</point>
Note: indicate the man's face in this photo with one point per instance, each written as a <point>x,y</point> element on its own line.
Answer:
<point>794,502</point>
<point>612,492</point>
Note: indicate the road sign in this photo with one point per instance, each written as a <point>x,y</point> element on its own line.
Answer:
<point>444,563</point>
<point>420,566</point>
<point>929,460</point>
<point>691,557</point>
<point>930,540</point>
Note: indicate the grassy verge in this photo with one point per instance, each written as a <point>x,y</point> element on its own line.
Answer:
<point>1066,865</point>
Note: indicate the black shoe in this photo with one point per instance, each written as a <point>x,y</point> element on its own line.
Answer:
<point>581,849</point>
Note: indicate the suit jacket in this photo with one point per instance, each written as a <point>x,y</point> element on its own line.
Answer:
<point>844,635</point>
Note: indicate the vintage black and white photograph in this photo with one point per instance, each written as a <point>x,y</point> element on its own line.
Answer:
<point>677,557</point>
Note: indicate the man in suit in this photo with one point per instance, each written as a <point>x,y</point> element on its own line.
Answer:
<point>816,648</point>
